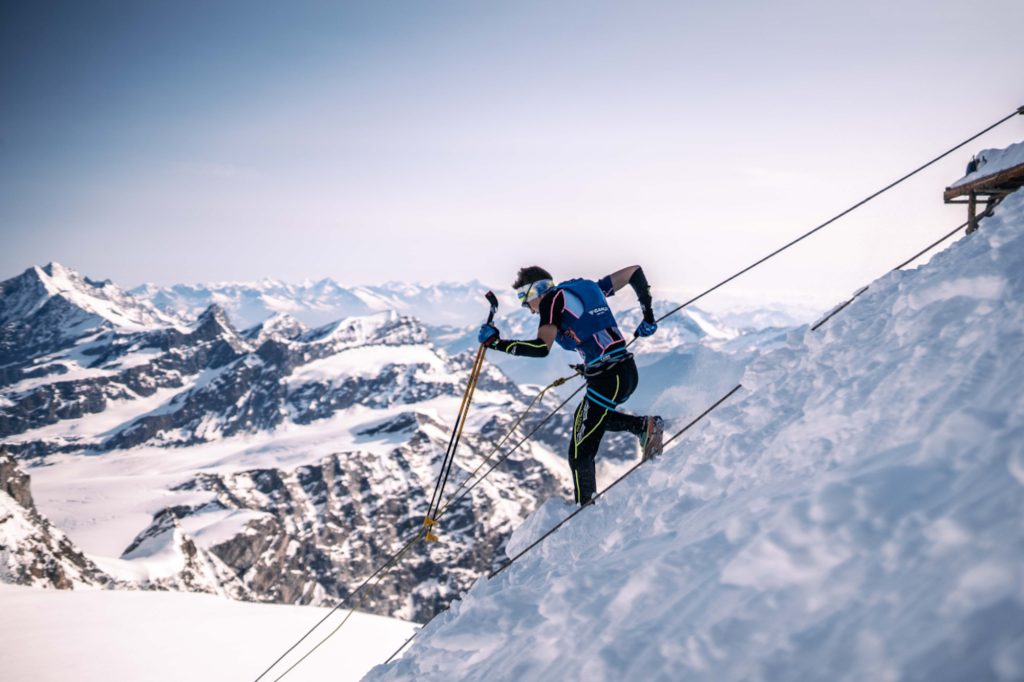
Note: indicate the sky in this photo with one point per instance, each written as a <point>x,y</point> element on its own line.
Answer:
<point>188,142</point>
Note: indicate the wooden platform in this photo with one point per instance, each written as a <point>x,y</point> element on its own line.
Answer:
<point>991,189</point>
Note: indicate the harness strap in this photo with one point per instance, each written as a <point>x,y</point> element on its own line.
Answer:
<point>606,362</point>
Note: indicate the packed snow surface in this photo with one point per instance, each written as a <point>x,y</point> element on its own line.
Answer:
<point>100,635</point>
<point>855,513</point>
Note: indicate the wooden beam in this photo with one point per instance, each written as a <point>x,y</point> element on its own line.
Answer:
<point>988,195</point>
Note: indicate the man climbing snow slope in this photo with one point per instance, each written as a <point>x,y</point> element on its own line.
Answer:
<point>575,313</point>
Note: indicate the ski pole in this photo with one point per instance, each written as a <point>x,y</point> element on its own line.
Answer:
<point>460,423</point>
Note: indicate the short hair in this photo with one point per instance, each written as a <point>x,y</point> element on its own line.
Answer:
<point>529,275</point>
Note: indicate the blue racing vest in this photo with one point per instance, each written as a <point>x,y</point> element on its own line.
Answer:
<point>586,320</point>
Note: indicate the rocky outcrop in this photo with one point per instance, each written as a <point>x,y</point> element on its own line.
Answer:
<point>316,532</point>
<point>180,564</point>
<point>32,551</point>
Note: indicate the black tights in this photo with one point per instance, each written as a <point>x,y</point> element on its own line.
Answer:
<point>594,416</point>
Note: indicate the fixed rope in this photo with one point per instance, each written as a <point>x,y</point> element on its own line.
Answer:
<point>458,495</point>
<point>425,533</point>
<point>391,560</point>
<point>379,574</point>
<point>442,510</point>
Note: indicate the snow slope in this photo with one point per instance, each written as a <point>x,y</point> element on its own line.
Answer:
<point>100,635</point>
<point>857,513</point>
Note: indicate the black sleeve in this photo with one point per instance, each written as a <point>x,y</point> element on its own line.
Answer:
<point>643,294</point>
<point>534,348</point>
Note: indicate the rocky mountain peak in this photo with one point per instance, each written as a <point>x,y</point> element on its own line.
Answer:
<point>278,327</point>
<point>213,324</point>
<point>25,296</point>
<point>215,314</point>
<point>387,328</point>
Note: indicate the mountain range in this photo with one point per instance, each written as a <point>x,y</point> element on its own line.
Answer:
<point>282,460</point>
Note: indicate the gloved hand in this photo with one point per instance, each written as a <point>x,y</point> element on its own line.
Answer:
<point>646,328</point>
<point>488,333</point>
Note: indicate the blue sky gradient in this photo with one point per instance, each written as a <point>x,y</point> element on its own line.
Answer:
<point>196,141</point>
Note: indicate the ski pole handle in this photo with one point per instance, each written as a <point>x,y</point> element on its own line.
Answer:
<point>493,300</point>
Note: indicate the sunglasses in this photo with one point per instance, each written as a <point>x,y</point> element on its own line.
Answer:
<point>523,294</point>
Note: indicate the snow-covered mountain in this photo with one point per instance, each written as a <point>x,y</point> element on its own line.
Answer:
<point>321,302</point>
<point>452,312</point>
<point>855,513</point>
<point>49,308</point>
<point>276,463</point>
<point>233,457</point>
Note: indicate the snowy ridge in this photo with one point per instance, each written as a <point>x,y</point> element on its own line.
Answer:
<point>277,327</point>
<point>317,303</point>
<point>854,515</point>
